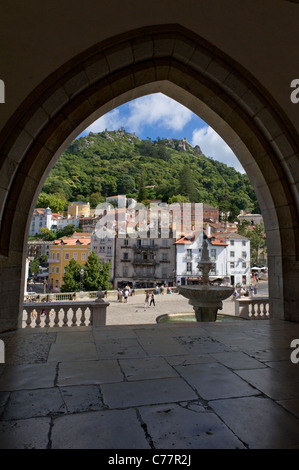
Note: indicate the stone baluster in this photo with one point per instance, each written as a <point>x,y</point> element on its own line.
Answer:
<point>65,317</point>
<point>56,318</point>
<point>38,318</point>
<point>83,318</point>
<point>47,319</point>
<point>29,319</point>
<point>74,317</point>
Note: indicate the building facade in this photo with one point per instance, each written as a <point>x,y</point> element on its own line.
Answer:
<point>144,262</point>
<point>229,251</point>
<point>104,247</point>
<point>61,253</point>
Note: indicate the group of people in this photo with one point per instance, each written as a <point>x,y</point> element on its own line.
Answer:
<point>241,290</point>
<point>149,299</point>
<point>124,294</point>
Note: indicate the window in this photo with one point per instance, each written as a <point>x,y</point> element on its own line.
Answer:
<point>57,256</point>
<point>232,254</point>
<point>165,242</point>
<point>189,267</point>
<point>102,248</point>
<point>109,250</point>
<point>66,256</point>
<point>125,271</point>
<point>164,272</point>
<point>243,243</point>
<point>137,270</point>
<point>244,254</point>
<point>244,265</point>
<point>75,256</point>
<point>232,264</point>
<point>125,242</point>
<point>213,253</point>
<point>57,270</point>
<point>83,256</point>
<point>126,256</point>
<point>164,256</point>
<point>189,253</point>
<point>232,242</point>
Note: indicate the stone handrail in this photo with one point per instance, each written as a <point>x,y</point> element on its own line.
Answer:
<point>65,313</point>
<point>252,308</point>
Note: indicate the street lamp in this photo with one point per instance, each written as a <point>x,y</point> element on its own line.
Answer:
<point>81,281</point>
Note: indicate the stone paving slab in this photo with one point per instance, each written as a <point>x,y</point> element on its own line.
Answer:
<point>259,422</point>
<point>173,424</point>
<point>108,429</point>
<point>271,382</point>
<point>148,368</point>
<point>28,377</point>
<point>146,392</point>
<point>25,434</point>
<point>214,381</point>
<point>72,351</point>
<point>88,372</point>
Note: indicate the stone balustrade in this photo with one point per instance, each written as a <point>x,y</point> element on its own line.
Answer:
<point>252,308</point>
<point>65,313</point>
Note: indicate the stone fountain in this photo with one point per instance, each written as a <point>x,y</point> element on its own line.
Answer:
<point>205,299</point>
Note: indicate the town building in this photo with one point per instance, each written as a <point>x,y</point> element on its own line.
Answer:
<point>254,219</point>
<point>78,209</point>
<point>229,251</point>
<point>104,247</point>
<point>61,252</point>
<point>144,262</point>
<point>45,218</point>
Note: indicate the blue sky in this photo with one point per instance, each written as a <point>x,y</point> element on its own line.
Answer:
<point>157,115</point>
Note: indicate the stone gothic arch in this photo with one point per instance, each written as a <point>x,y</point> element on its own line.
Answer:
<point>172,60</point>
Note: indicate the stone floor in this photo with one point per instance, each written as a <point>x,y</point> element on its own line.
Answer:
<point>201,386</point>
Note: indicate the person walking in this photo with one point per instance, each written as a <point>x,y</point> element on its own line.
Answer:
<point>152,299</point>
<point>146,302</point>
<point>126,295</point>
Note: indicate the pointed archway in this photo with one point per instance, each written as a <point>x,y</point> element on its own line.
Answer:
<point>176,62</point>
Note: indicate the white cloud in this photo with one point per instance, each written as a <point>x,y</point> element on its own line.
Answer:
<point>111,121</point>
<point>150,110</point>
<point>212,145</point>
<point>157,109</point>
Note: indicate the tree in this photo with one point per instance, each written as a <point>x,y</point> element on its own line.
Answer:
<point>186,185</point>
<point>105,276</point>
<point>92,271</point>
<point>34,266</point>
<point>96,275</point>
<point>72,277</point>
<point>142,193</point>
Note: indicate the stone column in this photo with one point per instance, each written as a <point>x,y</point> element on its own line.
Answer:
<point>99,309</point>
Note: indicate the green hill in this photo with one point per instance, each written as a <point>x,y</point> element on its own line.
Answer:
<point>110,163</point>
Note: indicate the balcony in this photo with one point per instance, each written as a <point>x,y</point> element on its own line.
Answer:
<point>146,248</point>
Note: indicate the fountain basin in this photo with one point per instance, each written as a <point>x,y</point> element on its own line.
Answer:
<point>206,300</point>
<point>190,318</point>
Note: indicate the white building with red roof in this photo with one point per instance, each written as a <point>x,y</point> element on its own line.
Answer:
<point>230,252</point>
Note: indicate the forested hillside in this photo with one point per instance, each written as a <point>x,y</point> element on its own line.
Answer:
<point>110,163</point>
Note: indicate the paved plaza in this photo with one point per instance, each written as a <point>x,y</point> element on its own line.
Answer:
<point>223,385</point>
